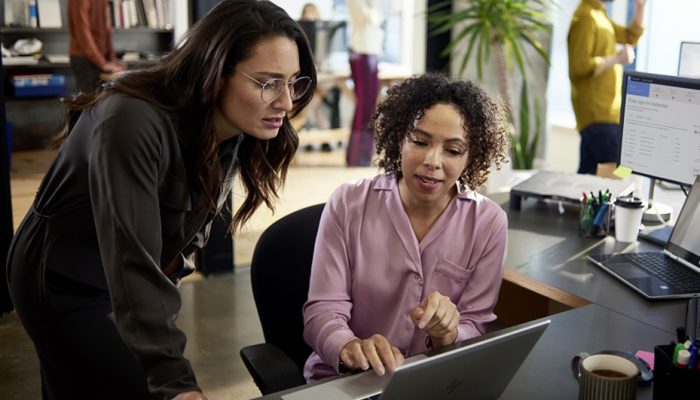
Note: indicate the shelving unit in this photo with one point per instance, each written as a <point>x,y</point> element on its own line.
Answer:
<point>34,120</point>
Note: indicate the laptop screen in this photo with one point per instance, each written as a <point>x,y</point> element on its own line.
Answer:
<point>685,238</point>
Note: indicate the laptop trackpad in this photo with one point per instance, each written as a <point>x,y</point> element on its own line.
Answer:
<point>629,271</point>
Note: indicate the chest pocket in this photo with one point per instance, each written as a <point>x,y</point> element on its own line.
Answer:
<point>450,279</point>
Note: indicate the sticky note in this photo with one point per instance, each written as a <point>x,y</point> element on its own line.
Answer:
<point>646,356</point>
<point>622,172</point>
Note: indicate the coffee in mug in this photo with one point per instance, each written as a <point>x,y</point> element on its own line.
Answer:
<point>605,377</point>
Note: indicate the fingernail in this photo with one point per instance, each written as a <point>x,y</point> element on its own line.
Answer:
<point>380,371</point>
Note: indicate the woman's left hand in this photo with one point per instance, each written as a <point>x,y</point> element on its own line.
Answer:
<point>438,317</point>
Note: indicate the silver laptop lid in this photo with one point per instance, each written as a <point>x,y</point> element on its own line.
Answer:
<point>684,243</point>
<point>478,368</point>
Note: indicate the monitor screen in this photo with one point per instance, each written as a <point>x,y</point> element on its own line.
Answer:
<point>660,126</point>
<point>326,38</point>
<point>689,60</point>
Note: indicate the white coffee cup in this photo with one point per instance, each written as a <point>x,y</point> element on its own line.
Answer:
<point>628,217</point>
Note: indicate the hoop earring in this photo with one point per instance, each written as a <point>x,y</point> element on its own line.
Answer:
<point>462,182</point>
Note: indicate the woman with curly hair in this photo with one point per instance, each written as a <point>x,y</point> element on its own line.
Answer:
<point>413,258</point>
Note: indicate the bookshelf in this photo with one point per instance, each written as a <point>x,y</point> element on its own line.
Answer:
<point>34,120</point>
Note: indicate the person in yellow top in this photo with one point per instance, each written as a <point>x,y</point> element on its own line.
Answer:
<point>595,71</point>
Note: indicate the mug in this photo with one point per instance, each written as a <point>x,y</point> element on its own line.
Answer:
<point>605,377</point>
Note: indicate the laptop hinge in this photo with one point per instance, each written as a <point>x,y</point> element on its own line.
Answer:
<point>682,261</point>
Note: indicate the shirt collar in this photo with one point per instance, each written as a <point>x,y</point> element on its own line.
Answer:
<point>595,4</point>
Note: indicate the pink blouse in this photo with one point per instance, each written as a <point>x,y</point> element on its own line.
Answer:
<point>369,270</point>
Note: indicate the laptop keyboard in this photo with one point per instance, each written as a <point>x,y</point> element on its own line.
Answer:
<point>666,269</point>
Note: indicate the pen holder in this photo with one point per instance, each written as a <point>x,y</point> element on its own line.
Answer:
<point>671,382</point>
<point>594,218</point>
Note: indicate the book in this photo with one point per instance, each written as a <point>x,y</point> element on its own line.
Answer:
<point>49,13</point>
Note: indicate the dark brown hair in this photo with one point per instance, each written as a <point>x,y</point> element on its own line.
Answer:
<point>188,83</point>
<point>485,124</point>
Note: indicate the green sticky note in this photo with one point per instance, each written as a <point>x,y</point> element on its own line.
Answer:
<point>622,172</point>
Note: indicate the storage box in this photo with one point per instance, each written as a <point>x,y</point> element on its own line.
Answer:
<point>39,85</point>
<point>671,382</point>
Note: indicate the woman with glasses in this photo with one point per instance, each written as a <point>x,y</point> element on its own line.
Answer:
<point>144,166</point>
<point>411,259</point>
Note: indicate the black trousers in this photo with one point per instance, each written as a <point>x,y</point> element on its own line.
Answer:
<point>87,75</point>
<point>81,354</point>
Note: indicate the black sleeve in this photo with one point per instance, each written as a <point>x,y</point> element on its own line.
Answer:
<point>125,158</point>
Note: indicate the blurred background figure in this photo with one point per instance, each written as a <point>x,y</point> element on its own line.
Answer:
<point>310,15</point>
<point>90,48</point>
<point>595,71</point>
<point>366,39</point>
<point>310,12</point>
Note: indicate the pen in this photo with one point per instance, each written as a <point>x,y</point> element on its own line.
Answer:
<point>693,355</point>
<point>601,213</point>
<point>680,334</point>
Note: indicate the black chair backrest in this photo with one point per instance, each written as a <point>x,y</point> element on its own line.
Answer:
<point>280,271</point>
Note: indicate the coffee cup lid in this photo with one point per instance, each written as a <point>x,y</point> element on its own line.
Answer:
<point>629,202</point>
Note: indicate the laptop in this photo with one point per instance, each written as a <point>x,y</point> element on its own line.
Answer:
<point>673,273</point>
<point>477,369</point>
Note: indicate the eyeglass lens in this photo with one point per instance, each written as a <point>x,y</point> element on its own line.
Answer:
<point>273,88</point>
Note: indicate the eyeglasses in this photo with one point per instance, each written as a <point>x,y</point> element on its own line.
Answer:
<point>273,88</point>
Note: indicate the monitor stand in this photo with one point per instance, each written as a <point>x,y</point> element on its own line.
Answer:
<point>657,236</point>
<point>656,212</point>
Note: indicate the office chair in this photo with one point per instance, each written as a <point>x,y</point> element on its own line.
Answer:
<point>279,272</point>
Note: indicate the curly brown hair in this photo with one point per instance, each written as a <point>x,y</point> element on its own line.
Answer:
<point>484,118</point>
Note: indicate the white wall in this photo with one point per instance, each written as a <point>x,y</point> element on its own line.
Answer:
<point>668,22</point>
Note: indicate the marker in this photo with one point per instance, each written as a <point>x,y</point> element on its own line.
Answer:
<point>683,359</point>
<point>693,355</point>
<point>677,349</point>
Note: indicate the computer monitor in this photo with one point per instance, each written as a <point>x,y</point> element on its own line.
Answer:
<point>689,60</point>
<point>325,38</point>
<point>660,128</point>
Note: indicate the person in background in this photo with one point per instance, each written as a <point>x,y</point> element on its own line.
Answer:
<point>309,12</point>
<point>145,164</point>
<point>413,258</point>
<point>366,40</point>
<point>90,46</point>
<point>595,71</point>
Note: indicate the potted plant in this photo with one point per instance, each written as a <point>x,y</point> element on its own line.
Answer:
<point>503,29</point>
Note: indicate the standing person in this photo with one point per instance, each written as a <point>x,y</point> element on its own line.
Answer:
<point>90,48</point>
<point>436,140</point>
<point>366,39</point>
<point>595,71</point>
<point>309,12</point>
<point>144,166</point>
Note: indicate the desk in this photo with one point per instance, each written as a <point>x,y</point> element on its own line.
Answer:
<point>546,255</point>
<point>546,375</point>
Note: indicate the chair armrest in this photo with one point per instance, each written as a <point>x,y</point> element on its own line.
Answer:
<point>271,369</point>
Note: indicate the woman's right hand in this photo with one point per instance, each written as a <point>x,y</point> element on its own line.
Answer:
<point>193,395</point>
<point>375,352</point>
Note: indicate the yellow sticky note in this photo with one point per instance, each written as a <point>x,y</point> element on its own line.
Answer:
<point>622,172</point>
